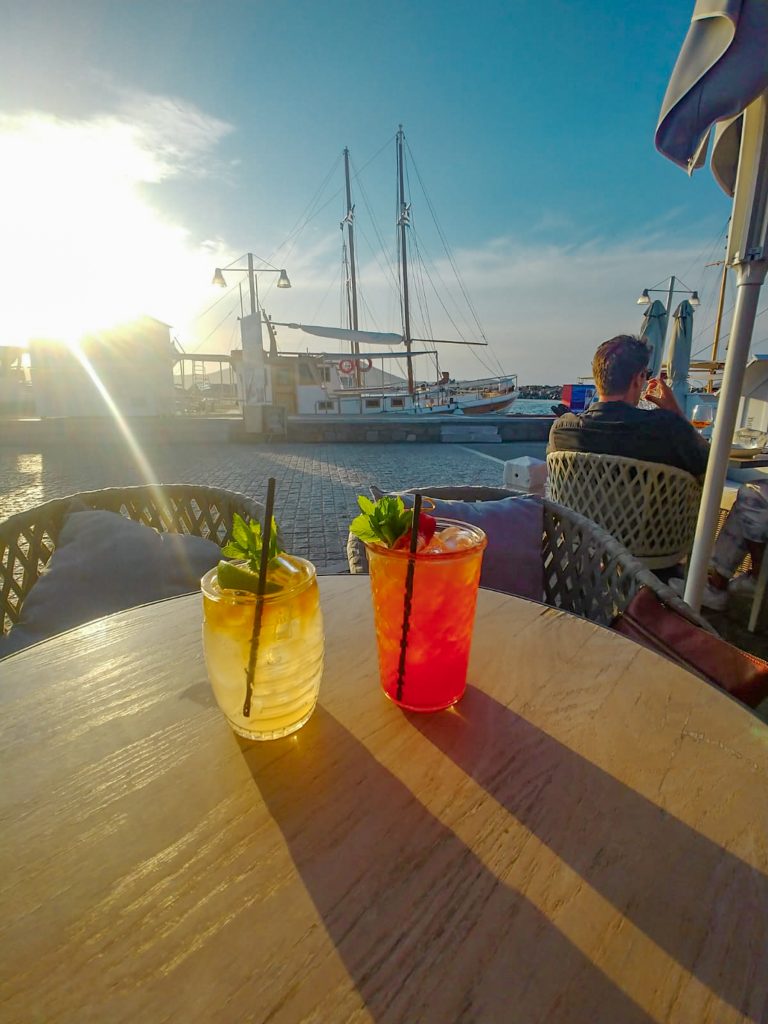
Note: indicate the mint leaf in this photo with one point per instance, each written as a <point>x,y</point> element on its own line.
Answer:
<point>384,521</point>
<point>361,528</point>
<point>245,543</point>
<point>239,531</point>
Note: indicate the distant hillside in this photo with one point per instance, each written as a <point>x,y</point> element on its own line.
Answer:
<point>542,391</point>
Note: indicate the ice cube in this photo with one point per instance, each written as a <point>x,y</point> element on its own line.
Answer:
<point>435,546</point>
<point>456,538</point>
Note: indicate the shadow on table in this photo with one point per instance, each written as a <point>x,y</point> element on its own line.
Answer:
<point>702,904</point>
<point>425,930</point>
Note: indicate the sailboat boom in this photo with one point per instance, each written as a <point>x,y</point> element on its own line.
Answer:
<point>447,341</point>
<point>347,334</point>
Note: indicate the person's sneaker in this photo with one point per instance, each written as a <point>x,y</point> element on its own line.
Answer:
<point>714,599</point>
<point>743,585</point>
<point>711,598</point>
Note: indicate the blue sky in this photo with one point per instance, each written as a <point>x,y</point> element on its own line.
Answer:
<point>172,136</point>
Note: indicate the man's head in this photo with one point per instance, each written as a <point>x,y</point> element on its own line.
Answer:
<point>620,369</point>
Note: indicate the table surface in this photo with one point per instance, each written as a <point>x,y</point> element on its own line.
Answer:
<point>742,470</point>
<point>583,838</point>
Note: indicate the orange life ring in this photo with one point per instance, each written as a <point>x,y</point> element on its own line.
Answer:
<point>346,366</point>
<point>364,369</point>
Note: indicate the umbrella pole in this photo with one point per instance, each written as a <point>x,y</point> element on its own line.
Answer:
<point>750,277</point>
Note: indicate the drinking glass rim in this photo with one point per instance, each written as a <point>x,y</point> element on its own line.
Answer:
<point>404,553</point>
<point>245,597</point>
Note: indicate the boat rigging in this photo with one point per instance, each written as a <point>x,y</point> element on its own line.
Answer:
<point>444,394</point>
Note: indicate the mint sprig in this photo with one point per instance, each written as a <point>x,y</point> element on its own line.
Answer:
<point>384,521</point>
<point>246,542</point>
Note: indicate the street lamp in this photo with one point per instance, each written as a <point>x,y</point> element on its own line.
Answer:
<point>645,297</point>
<point>220,282</point>
<point>679,357</point>
<point>645,300</point>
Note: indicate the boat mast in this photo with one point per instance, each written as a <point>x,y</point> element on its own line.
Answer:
<point>352,279</point>
<point>718,324</point>
<point>402,223</point>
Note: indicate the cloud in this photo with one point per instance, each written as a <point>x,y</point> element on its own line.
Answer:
<point>182,138</point>
<point>547,309</point>
<point>544,309</point>
<point>550,221</point>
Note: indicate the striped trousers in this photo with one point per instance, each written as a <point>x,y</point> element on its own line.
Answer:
<point>746,521</point>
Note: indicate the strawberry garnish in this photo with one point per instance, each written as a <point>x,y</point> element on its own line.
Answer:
<point>426,530</point>
<point>427,527</point>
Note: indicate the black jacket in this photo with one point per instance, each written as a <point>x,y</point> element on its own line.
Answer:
<point>615,428</point>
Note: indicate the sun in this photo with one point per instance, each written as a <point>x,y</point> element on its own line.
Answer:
<point>83,245</point>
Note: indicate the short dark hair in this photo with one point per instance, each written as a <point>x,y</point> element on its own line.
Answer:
<point>618,361</point>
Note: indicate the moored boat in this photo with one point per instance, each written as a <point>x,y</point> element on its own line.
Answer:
<point>341,383</point>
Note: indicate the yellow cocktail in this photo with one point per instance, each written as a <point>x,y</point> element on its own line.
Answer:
<point>289,661</point>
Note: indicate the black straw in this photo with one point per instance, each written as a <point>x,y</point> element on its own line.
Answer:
<point>408,600</point>
<point>266,537</point>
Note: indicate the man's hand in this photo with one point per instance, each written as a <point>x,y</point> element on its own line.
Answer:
<point>661,395</point>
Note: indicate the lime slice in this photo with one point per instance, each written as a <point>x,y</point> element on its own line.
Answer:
<point>237,577</point>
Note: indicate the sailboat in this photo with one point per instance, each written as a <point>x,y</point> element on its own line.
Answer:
<point>340,377</point>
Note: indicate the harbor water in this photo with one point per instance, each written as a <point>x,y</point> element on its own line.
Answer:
<point>532,407</point>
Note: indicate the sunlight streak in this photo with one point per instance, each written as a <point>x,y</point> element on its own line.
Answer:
<point>141,460</point>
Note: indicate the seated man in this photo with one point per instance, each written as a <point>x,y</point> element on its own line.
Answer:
<point>615,426</point>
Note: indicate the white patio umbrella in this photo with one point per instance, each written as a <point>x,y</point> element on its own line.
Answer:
<point>654,331</point>
<point>721,75</point>
<point>680,351</point>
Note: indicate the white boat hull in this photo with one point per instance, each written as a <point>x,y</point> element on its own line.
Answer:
<point>435,401</point>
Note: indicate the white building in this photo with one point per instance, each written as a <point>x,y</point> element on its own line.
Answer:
<point>132,363</point>
<point>15,388</point>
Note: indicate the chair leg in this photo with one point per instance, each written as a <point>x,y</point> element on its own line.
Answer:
<point>759,598</point>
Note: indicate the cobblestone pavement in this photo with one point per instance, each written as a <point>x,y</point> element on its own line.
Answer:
<point>316,484</point>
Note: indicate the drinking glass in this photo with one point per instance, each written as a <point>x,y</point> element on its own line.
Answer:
<point>703,416</point>
<point>428,671</point>
<point>289,662</point>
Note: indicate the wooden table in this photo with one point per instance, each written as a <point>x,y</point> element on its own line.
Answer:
<point>582,839</point>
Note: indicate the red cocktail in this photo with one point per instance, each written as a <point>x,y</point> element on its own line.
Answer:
<point>426,669</point>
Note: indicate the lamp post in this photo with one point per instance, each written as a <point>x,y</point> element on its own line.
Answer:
<point>282,281</point>
<point>679,356</point>
<point>254,375</point>
<point>645,299</point>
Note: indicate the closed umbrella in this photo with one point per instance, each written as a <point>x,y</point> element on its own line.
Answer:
<point>721,75</point>
<point>654,331</point>
<point>680,352</point>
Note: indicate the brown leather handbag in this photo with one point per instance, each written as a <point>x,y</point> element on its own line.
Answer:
<point>664,630</point>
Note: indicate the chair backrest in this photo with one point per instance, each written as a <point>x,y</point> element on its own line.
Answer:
<point>586,571</point>
<point>649,507</point>
<point>28,539</point>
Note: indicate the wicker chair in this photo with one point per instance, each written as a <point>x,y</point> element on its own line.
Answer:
<point>650,508</point>
<point>586,571</point>
<point>28,539</point>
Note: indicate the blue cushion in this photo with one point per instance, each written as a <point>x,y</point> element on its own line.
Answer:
<point>104,563</point>
<point>514,526</point>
